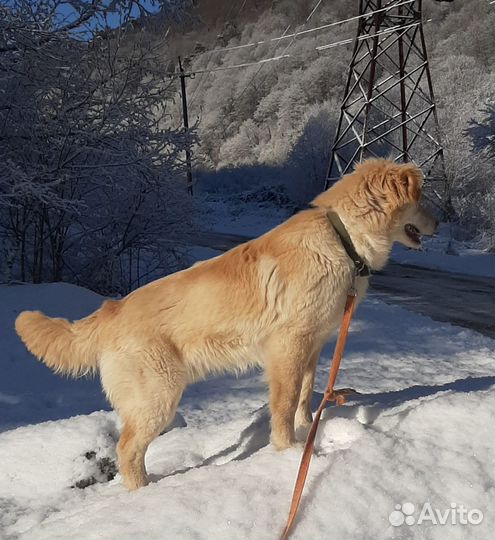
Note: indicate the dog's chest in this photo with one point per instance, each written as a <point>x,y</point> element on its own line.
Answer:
<point>325,297</point>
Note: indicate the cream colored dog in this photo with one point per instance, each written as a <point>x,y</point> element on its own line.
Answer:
<point>273,301</point>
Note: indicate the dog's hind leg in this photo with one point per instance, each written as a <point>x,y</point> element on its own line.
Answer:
<point>145,392</point>
<point>141,427</point>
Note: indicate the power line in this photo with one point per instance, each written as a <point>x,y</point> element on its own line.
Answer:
<point>317,5</point>
<point>236,66</point>
<point>366,36</point>
<point>319,48</point>
<point>309,30</point>
<point>283,55</point>
<point>205,73</point>
<point>392,5</point>
<point>313,10</point>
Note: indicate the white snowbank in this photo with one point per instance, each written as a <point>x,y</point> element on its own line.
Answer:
<point>474,265</point>
<point>422,432</point>
<point>442,252</point>
<point>233,216</point>
<point>28,390</point>
<point>224,482</point>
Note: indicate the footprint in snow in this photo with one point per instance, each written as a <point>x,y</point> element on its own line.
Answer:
<point>98,470</point>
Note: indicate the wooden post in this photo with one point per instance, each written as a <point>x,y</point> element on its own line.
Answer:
<point>186,126</point>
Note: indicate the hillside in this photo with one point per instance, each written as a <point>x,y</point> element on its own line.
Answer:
<point>283,114</point>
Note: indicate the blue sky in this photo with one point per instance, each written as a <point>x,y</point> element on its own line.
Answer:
<point>67,13</point>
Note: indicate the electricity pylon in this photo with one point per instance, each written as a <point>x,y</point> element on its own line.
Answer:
<point>388,107</point>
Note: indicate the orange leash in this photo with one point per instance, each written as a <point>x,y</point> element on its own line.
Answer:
<point>330,395</point>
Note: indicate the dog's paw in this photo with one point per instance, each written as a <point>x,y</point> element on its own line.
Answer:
<point>136,482</point>
<point>283,443</point>
<point>302,431</point>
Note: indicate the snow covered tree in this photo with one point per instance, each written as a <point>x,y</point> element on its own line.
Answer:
<point>482,133</point>
<point>308,160</point>
<point>87,169</point>
<point>242,148</point>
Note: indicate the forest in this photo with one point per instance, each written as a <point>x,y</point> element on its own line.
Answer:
<point>285,113</point>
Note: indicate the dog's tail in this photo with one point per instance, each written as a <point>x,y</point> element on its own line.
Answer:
<point>68,348</point>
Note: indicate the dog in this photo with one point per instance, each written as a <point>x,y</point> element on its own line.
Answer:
<point>272,302</point>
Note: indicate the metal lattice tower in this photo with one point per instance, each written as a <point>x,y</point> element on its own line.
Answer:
<point>389,107</point>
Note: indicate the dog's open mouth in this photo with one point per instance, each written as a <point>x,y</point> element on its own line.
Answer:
<point>413,233</point>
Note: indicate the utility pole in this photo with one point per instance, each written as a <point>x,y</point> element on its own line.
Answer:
<point>186,126</point>
<point>388,107</point>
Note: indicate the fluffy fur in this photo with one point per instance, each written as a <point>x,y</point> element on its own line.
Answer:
<point>273,302</point>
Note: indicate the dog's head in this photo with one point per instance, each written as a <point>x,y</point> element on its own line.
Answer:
<point>381,198</point>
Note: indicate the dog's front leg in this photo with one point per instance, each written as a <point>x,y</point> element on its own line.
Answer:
<point>284,369</point>
<point>304,415</point>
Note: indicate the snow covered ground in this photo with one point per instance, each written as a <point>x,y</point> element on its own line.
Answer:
<point>28,390</point>
<point>421,434</point>
<point>441,252</point>
<point>475,264</point>
<point>232,215</point>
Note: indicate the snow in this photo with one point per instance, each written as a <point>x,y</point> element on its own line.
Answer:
<point>28,390</point>
<point>479,264</point>
<point>444,253</point>
<point>421,432</point>
<point>231,215</point>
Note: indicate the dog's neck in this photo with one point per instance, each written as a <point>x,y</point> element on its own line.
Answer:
<point>372,248</point>
<point>362,269</point>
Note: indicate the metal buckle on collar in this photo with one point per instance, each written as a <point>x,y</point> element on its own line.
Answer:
<point>362,269</point>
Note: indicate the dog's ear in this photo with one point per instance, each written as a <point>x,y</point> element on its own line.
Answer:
<point>391,186</point>
<point>401,184</point>
<point>411,180</point>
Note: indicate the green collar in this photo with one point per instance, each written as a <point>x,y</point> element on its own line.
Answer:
<point>362,269</point>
